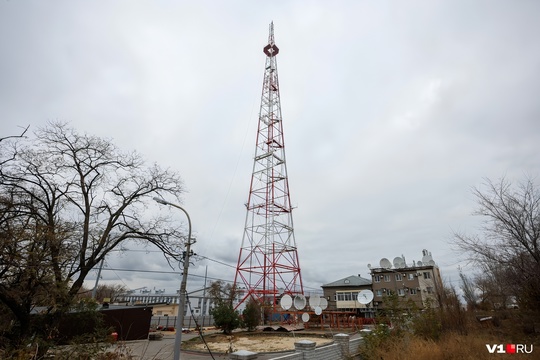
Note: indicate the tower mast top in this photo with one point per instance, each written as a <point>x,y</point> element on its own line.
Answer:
<point>271,49</point>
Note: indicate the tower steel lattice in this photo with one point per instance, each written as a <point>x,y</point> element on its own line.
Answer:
<point>268,263</point>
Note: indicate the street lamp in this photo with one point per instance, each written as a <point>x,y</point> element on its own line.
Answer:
<point>180,317</point>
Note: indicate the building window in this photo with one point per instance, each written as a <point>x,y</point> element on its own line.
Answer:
<point>378,292</point>
<point>387,278</point>
<point>410,276</point>
<point>398,277</point>
<point>401,292</point>
<point>377,278</point>
<point>427,275</point>
<point>412,291</point>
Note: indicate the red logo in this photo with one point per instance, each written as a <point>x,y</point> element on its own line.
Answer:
<point>510,348</point>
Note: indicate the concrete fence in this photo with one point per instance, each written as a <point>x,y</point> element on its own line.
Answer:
<point>189,321</point>
<point>343,347</point>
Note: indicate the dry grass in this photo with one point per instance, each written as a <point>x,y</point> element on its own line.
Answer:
<point>449,347</point>
<point>471,344</point>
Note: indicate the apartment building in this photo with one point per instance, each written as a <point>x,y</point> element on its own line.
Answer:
<point>418,281</point>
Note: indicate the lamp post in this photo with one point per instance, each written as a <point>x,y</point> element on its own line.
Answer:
<point>180,317</point>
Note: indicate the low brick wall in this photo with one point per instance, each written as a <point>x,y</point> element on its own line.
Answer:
<point>342,348</point>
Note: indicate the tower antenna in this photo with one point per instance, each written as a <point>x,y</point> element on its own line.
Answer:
<point>268,265</point>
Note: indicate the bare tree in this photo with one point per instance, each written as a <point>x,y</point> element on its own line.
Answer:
<point>66,201</point>
<point>104,291</point>
<point>8,138</point>
<point>469,291</point>
<point>508,251</point>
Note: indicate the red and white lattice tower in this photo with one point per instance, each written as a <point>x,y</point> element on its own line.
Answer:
<point>268,263</point>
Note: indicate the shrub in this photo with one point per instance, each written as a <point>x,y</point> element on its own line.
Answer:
<point>251,316</point>
<point>226,318</point>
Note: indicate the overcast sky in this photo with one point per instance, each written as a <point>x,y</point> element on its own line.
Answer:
<point>392,110</point>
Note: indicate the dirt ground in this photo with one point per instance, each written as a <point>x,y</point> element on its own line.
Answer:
<point>253,342</point>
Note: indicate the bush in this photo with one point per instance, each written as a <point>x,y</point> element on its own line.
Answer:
<point>251,316</point>
<point>226,318</point>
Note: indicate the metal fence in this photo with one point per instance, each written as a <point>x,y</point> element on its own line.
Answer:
<point>190,322</point>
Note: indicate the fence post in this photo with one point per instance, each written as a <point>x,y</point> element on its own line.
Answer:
<point>306,347</point>
<point>343,342</point>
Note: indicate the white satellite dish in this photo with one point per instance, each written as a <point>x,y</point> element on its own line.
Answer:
<point>299,302</point>
<point>426,258</point>
<point>286,302</point>
<point>369,266</point>
<point>314,301</point>
<point>385,263</point>
<point>431,262</point>
<point>305,317</point>
<point>365,296</point>
<point>398,262</point>
<point>323,304</point>
<point>318,310</point>
<point>419,263</point>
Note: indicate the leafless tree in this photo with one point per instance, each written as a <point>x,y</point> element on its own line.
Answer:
<point>508,250</point>
<point>66,201</point>
<point>104,291</point>
<point>469,291</point>
<point>4,160</point>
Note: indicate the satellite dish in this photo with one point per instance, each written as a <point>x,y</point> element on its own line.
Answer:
<point>324,304</point>
<point>299,302</point>
<point>426,258</point>
<point>398,262</point>
<point>365,296</point>
<point>431,262</point>
<point>286,302</point>
<point>369,266</point>
<point>318,310</point>
<point>305,317</point>
<point>419,263</point>
<point>314,301</point>
<point>385,263</point>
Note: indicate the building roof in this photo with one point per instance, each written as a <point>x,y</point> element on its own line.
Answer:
<point>352,281</point>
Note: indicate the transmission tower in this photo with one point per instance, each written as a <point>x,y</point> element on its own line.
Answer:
<point>268,263</point>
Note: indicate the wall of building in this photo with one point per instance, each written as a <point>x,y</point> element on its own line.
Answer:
<point>419,284</point>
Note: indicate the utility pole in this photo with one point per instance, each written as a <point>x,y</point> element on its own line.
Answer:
<point>183,284</point>
<point>203,305</point>
<point>94,290</point>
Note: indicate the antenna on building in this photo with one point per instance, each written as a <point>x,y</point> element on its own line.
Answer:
<point>365,297</point>
<point>398,262</point>
<point>385,263</point>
